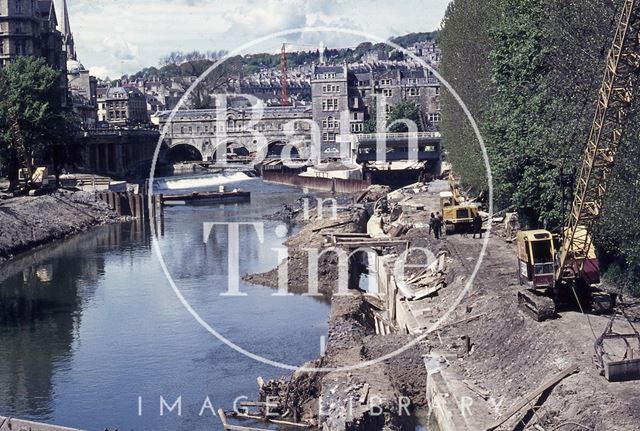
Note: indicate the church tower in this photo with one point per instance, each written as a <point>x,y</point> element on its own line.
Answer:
<point>68,44</point>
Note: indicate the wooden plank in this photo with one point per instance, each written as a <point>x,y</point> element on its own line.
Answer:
<point>457,322</point>
<point>524,402</point>
<point>426,292</point>
<point>330,226</point>
<point>364,394</point>
<point>273,421</point>
<point>228,427</point>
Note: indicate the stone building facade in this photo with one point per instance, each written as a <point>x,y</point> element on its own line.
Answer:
<point>29,28</point>
<point>332,104</point>
<point>83,95</point>
<point>344,98</point>
<point>122,106</point>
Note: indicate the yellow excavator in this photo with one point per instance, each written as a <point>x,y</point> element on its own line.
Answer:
<point>457,212</point>
<point>560,268</point>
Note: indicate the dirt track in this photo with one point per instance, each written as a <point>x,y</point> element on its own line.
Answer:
<point>511,354</point>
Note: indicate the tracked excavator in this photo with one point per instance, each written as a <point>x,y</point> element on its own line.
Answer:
<point>561,269</point>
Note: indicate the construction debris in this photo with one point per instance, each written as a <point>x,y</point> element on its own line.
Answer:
<point>527,399</point>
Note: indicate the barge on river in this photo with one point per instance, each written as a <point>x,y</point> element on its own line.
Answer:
<point>205,198</point>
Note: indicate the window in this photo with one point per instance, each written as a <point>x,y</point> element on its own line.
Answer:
<point>437,91</point>
<point>414,92</point>
<point>385,82</point>
<point>357,127</point>
<point>330,123</point>
<point>387,109</point>
<point>330,88</point>
<point>18,6</point>
<point>387,92</point>
<point>328,136</point>
<point>329,76</point>
<point>330,104</point>
<point>413,81</point>
<point>1,47</point>
<point>21,47</point>
<point>434,118</point>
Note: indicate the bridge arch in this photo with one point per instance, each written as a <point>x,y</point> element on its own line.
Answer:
<point>232,149</point>
<point>183,152</point>
<point>275,149</point>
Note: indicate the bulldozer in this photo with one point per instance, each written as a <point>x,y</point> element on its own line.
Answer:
<point>32,182</point>
<point>457,212</point>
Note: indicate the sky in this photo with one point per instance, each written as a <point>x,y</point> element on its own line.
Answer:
<point>115,37</point>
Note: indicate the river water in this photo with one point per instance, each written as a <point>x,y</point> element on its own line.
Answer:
<point>92,335</point>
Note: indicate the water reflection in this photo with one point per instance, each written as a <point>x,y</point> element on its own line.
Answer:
<point>41,299</point>
<point>89,324</point>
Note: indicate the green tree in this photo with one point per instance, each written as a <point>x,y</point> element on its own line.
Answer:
<point>31,118</point>
<point>529,71</point>
<point>466,42</point>
<point>407,110</point>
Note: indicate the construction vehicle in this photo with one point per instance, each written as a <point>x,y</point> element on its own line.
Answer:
<point>563,269</point>
<point>30,182</point>
<point>457,212</point>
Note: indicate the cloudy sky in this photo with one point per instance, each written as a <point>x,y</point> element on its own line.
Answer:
<point>123,36</point>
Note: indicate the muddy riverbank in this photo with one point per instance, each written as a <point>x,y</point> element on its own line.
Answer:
<point>31,221</point>
<point>384,394</point>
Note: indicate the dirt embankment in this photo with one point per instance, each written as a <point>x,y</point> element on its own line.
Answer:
<point>28,222</point>
<point>382,395</point>
<point>510,353</point>
<point>348,218</point>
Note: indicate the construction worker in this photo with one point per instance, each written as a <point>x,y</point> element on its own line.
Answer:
<point>477,226</point>
<point>431,220</point>
<point>437,226</point>
<point>440,224</point>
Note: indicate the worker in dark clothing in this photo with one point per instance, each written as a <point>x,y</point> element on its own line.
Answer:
<point>477,226</point>
<point>431,219</point>
<point>437,227</point>
<point>441,224</point>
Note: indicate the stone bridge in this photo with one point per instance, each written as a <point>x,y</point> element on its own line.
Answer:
<point>199,134</point>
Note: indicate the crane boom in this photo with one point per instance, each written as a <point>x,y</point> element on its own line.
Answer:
<point>614,101</point>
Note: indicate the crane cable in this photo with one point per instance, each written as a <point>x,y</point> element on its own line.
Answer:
<point>565,157</point>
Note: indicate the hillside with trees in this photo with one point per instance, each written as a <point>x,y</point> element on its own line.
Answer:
<point>183,64</point>
<point>529,71</point>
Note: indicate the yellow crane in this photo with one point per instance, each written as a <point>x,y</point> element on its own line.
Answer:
<point>556,269</point>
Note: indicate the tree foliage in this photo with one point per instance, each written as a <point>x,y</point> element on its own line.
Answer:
<point>405,111</point>
<point>31,118</point>
<point>529,71</point>
<point>466,44</point>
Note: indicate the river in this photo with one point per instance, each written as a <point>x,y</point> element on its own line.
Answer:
<point>92,335</point>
